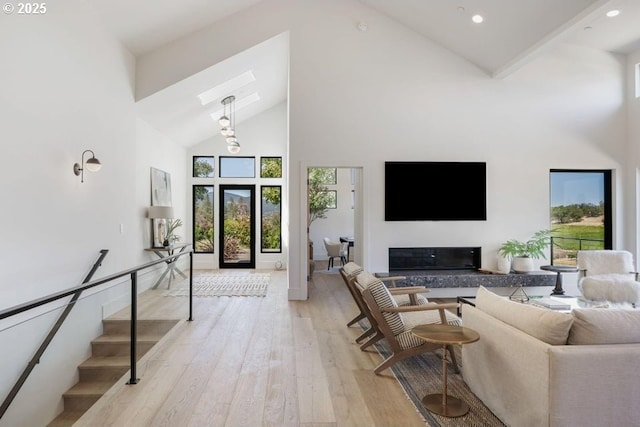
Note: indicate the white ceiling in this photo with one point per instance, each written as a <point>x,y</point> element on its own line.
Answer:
<point>512,33</point>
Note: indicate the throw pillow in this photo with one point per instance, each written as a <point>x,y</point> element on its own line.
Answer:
<point>546,325</point>
<point>605,326</point>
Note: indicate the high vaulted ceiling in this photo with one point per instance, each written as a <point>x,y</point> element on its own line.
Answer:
<point>512,33</point>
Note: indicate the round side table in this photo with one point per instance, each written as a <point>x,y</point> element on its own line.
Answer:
<point>443,404</point>
<point>559,269</point>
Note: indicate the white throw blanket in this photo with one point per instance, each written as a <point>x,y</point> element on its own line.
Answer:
<point>616,288</point>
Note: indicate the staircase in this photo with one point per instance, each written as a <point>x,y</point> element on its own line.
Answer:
<point>108,363</point>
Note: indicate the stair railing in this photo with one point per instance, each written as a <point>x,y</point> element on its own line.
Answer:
<point>75,295</point>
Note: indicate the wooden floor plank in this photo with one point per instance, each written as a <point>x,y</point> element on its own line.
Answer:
<point>257,361</point>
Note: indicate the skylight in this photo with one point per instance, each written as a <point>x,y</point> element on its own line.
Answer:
<point>226,88</point>
<point>239,104</point>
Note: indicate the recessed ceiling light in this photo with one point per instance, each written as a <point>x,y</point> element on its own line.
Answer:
<point>477,19</point>
<point>612,13</point>
<point>226,88</point>
<point>239,104</point>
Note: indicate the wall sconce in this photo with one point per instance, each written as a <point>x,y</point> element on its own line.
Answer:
<point>92,164</point>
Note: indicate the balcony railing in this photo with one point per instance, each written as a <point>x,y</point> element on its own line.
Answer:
<point>564,250</point>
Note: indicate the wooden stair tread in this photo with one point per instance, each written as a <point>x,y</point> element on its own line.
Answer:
<point>127,338</point>
<point>99,372</point>
<point>106,362</point>
<point>90,388</point>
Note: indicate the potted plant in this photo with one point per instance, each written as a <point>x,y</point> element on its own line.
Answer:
<point>522,253</point>
<point>171,237</point>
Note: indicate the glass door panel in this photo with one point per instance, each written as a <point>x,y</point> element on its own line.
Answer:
<point>237,225</point>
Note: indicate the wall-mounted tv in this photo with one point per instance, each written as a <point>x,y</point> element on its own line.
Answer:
<point>435,191</point>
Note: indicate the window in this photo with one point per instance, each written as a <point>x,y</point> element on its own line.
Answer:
<point>580,213</point>
<point>237,167</point>
<point>203,234</point>
<point>270,224</point>
<point>271,167</point>
<point>203,166</point>
<point>331,197</point>
<point>324,176</point>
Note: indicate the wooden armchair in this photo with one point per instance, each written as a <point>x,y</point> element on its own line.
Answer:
<point>403,296</point>
<point>395,322</point>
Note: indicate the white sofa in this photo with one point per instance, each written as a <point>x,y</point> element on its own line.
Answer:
<point>536,367</point>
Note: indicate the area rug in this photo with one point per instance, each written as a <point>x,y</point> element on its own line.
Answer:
<point>225,284</point>
<point>421,375</point>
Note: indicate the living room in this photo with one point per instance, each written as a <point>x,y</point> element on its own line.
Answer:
<point>355,99</point>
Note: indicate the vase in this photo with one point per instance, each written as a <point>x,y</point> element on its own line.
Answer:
<point>504,265</point>
<point>522,264</point>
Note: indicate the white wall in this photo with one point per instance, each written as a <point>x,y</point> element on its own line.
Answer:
<point>67,87</point>
<point>633,159</point>
<point>264,135</point>
<point>390,94</point>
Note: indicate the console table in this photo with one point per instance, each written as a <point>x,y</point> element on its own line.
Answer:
<point>164,252</point>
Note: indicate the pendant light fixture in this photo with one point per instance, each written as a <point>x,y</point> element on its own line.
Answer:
<point>227,122</point>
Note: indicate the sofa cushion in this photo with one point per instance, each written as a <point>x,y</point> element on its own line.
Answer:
<point>546,325</point>
<point>605,326</point>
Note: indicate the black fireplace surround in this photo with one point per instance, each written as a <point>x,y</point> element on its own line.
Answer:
<point>435,258</point>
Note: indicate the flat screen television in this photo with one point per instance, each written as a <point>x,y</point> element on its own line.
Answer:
<point>435,191</point>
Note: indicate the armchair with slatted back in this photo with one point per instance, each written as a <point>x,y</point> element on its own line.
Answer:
<point>404,296</point>
<point>395,322</point>
<point>608,275</point>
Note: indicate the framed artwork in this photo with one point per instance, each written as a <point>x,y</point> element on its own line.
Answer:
<point>203,166</point>
<point>160,188</point>
<point>160,196</point>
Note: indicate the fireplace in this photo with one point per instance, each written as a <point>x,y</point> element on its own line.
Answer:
<point>435,258</point>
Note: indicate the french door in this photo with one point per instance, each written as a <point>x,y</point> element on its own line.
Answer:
<point>237,226</point>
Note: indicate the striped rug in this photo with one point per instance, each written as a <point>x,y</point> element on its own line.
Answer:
<point>239,284</point>
<point>421,375</point>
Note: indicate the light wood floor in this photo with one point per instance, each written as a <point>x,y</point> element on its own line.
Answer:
<point>254,361</point>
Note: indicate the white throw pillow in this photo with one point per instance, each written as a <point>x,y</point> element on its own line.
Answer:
<point>546,325</point>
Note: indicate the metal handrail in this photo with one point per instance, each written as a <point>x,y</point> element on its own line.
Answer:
<point>76,291</point>
<point>21,308</point>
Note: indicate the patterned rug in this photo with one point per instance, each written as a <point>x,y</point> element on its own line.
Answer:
<point>422,375</point>
<point>225,284</point>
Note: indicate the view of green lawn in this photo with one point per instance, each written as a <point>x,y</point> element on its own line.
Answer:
<point>569,238</point>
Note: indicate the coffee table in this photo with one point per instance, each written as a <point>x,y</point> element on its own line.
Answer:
<point>443,404</point>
